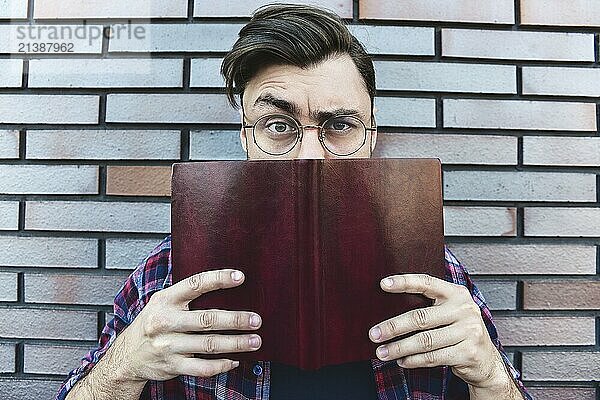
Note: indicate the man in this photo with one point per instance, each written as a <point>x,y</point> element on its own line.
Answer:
<point>307,88</point>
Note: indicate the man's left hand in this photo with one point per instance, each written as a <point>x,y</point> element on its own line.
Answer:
<point>451,332</point>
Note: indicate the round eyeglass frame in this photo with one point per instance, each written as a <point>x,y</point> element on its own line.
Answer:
<point>301,132</point>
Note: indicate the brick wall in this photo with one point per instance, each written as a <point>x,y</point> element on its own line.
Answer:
<point>504,92</point>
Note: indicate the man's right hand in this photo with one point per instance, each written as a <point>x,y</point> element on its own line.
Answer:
<point>162,340</point>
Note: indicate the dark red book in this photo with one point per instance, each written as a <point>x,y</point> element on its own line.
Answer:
<point>314,238</point>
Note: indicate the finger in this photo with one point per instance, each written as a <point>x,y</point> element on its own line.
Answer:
<point>194,286</point>
<point>215,320</point>
<point>419,319</point>
<point>427,285</point>
<point>421,342</point>
<point>215,344</point>
<point>204,368</point>
<point>435,358</point>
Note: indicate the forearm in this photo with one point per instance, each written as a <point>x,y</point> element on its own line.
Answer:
<point>108,379</point>
<point>503,388</point>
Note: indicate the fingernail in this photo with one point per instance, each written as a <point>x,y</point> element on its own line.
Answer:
<point>254,320</point>
<point>382,352</point>
<point>387,282</point>
<point>400,361</point>
<point>236,276</point>
<point>375,333</point>
<point>254,342</point>
<point>235,364</point>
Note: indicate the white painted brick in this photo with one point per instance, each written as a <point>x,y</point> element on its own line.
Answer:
<point>7,357</point>
<point>526,259</point>
<point>48,324</point>
<point>104,144</point>
<point>517,45</point>
<point>106,73</point>
<point>499,295</point>
<point>561,81</point>
<point>546,331</point>
<point>396,40</point>
<point>25,389</point>
<point>202,37</point>
<point>561,366</point>
<point>10,72</point>
<point>48,109</point>
<point>9,215</point>
<point>232,8</point>
<point>399,111</point>
<point>98,216</point>
<point>519,186</point>
<point>216,145</point>
<point>47,359</point>
<point>13,9</point>
<point>205,72</point>
<point>127,253</point>
<point>8,287</point>
<point>174,108</point>
<point>48,179</point>
<point>9,144</point>
<point>510,114</point>
<point>72,288</point>
<point>48,252</point>
<point>484,11</point>
<point>569,222</point>
<point>480,221</point>
<point>85,39</point>
<point>559,12</point>
<point>563,151</point>
<point>54,9</point>
<point>450,149</point>
<point>445,77</point>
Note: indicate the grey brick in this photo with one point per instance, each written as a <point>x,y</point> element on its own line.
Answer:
<point>395,111</point>
<point>499,295</point>
<point>170,108</point>
<point>72,289</point>
<point>98,216</point>
<point>8,286</point>
<point>480,221</point>
<point>552,12</point>
<point>232,8</point>
<point>28,389</point>
<point>7,357</point>
<point>106,73</point>
<point>104,144</point>
<point>9,144</point>
<point>445,77</point>
<point>546,331</point>
<point>110,9</point>
<point>563,151</point>
<point>216,145</point>
<point>203,37</point>
<point>450,149</point>
<point>79,39</point>
<point>48,109</point>
<point>13,9</point>
<point>48,324</point>
<point>127,253</point>
<point>396,40</point>
<point>519,186</point>
<point>561,366</point>
<point>205,72</point>
<point>562,393</point>
<point>521,259</point>
<point>512,114</point>
<point>562,221</point>
<point>10,70</point>
<point>9,215</point>
<point>561,81</point>
<point>48,179</point>
<point>48,252</point>
<point>58,360</point>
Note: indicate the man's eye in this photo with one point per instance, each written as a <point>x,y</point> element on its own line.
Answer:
<point>279,127</point>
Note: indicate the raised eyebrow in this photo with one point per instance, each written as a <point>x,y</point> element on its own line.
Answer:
<point>325,115</point>
<point>268,99</point>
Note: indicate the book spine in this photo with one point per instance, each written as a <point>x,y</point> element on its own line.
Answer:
<point>316,270</point>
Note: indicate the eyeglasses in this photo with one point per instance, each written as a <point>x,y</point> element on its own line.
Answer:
<point>278,134</point>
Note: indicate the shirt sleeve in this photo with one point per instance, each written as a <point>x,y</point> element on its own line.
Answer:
<point>150,275</point>
<point>457,273</point>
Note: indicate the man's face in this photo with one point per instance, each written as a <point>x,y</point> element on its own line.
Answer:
<point>311,96</point>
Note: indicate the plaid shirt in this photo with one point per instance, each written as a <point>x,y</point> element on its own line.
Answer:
<point>252,380</point>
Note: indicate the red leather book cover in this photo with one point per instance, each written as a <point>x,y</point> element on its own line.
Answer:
<point>313,238</point>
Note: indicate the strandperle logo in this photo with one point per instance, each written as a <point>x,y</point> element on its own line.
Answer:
<point>82,32</point>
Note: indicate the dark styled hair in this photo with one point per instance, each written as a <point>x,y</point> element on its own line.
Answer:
<point>291,34</point>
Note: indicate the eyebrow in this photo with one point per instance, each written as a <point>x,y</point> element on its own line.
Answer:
<point>268,100</point>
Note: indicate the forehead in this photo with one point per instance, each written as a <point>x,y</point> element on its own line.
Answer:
<point>332,84</point>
